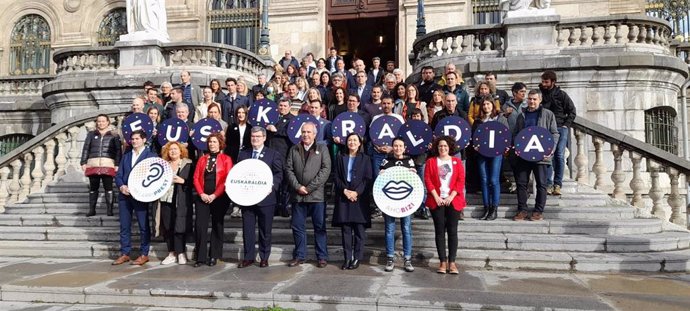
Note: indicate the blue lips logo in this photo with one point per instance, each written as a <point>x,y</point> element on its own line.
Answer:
<point>397,190</point>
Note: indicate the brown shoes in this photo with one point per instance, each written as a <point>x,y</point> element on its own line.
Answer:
<point>322,263</point>
<point>452,268</point>
<point>121,260</point>
<point>295,262</point>
<point>245,263</point>
<point>522,215</point>
<point>536,216</point>
<point>443,268</point>
<point>141,260</point>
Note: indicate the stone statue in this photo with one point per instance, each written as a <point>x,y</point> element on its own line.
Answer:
<point>517,5</point>
<point>525,7</point>
<point>146,19</point>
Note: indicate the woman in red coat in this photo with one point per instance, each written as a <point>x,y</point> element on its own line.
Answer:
<point>444,178</point>
<point>209,181</point>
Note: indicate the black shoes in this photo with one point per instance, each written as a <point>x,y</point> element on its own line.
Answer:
<point>490,213</point>
<point>353,265</point>
<point>487,211</point>
<point>212,262</point>
<point>263,264</point>
<point>345,265</point>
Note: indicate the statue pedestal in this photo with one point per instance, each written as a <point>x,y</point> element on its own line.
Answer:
<point>531,32</point>
<point>140,56</point>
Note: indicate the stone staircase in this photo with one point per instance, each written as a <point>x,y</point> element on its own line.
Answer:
<point>583,230</point>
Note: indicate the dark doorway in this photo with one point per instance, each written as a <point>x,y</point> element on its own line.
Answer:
<point>365,38</point>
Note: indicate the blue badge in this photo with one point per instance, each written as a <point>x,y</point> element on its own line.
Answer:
<point>534,143</point>
<point>346,123</point>
<point>455,127</point>
<point>417,136</point>
<point>492,138</point>
<point>173,129</point>
<point>384,129</point>
<point>294,129</point>
<point>134,122</point>
<point>202,130</point>
<point>263,113</point>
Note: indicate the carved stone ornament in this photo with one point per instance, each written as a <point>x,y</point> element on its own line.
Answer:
<point>72,5</point>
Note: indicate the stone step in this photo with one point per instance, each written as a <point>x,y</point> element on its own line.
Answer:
<point>662,261</point>
<point>661,241</point>
<point>71,214</point>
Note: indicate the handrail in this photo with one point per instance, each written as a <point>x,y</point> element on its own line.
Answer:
<point>420,42</point>
<point>626,142</point>
<point>55,129</point>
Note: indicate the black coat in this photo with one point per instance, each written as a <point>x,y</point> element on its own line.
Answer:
<point>182,198</point>
<point>234,143</point>
<point>345,210</point>
<point>279,141</point>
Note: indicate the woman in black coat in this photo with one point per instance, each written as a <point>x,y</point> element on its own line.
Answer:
<point>353,175</point>
<point>176,204</point>
<point>238,135</point>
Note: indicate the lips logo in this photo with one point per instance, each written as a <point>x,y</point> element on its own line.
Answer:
<point>397,190</point>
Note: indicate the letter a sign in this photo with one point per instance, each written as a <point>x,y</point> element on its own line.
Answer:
<point>534,143</point>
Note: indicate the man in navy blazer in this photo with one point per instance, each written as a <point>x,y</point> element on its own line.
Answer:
<point>361,88</point>
<point>232,101</point>
<point>128,204</point>
<point>263,212</point>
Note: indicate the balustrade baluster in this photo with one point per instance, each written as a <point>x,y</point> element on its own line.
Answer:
<point>642,35</point>
<point>4,194</point>
<point>675,201</point>
<point>619,33</point>
<point>37,173</point>
<point>465,43</point>
<point>583,35</point>
<point>655,192</point>
<point>618,176</point>
<point>581,159</point>
<point>454,45</point>
<point>60,159</point>
<point>650,35</point>
<point>204,59</point>
<point>486,45</point>
<point>15,185</point>
<point>571,38</point>
<point>26,177</point>
<point>74,153</point>
<point>476,44</point>
<point>637,184</point>
<point>49,167</point>
<point>598,168</point>
<point>607,35</point>
<point>596,38</point>
<point>560,37</point>
<point>233,61</point>
<point>444,46</point>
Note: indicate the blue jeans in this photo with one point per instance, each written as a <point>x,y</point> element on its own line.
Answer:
<point>300,212</point>
<point>128,205</point>
<point>406,228</point>
<point>554,172</point>
<point>489,172</point>
<point>376,159</point>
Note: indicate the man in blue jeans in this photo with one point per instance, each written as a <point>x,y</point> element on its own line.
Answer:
<point>307,168</point>
<point>563,109</point>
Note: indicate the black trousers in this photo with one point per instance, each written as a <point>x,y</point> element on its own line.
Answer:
<point>216,212</point>
<point>174,240</point>
<point>523,169</point>
<point>250,216</point>
<point>95,180</point>
<point>446,221</point>
<point>354,236</point>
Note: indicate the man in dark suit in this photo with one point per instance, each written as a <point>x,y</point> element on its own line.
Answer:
<point>262,212</point>
<point>281,143</point>
<point>307,168</point>
<point>332,59</point>
<point>128,204</point>
<point>375,75</point>
<point>232,101</point>
<point>191,94</point>
<point>361,87</point>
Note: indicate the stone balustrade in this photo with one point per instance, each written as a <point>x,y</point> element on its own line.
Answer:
<point>46,158</point>
<point>23,85</point>
<point>682,50</point>
<point>86,59</point>
<point>614,31</point>
<point>460,42</point>
<point>640,154</point>
<point>186,54</point>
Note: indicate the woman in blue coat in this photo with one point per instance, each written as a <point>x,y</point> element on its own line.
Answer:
<point>352,177</point>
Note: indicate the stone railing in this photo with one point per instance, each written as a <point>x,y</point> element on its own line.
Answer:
<point>460,42</point>
<point>640,154</point>
<point>86,59</point>
<point>23,85</point>
<point>682,50</point>
<point>46,158</point>
<point>610,31</point>
<point>203,54</point>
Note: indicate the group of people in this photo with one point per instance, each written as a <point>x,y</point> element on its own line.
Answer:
<point>302,171</point>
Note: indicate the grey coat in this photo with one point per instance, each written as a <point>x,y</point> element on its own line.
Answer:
<point>546,120</point>
<point>312,174</point>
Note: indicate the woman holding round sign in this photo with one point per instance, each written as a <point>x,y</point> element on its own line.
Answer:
<point>491,139</point>
<point>99,159</point>
<point>395,159</point>
<point>351,213</point>
<point>444,178</point>
<point>176,203</point>
<point>209,181</point>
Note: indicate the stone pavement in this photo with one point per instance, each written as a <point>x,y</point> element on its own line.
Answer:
<point>87,284</point>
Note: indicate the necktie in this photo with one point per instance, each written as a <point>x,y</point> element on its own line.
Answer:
<point>255,154</point>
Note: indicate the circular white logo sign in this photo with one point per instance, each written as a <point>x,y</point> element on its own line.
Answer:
<point>249,182</point>
<point>150,179</point>
<point>398,192</point>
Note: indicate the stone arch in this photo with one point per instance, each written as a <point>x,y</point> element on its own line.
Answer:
<point>95,10</point>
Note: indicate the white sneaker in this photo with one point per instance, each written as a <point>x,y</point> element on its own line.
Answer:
<point>168,260</point>
<point>182,259</point>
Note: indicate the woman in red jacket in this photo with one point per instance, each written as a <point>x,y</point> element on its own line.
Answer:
<point>444,178</point>
<point>209,181</point>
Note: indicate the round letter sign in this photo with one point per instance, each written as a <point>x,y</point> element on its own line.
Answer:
<point>398,192</point>
<point>150,179</point>
<point>455,127</point>
<point>534,143</point>
<point>492,138</point>
<point>249,182</point>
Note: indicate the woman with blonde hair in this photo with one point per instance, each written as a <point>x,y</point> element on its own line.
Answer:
<point>176,204</point>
